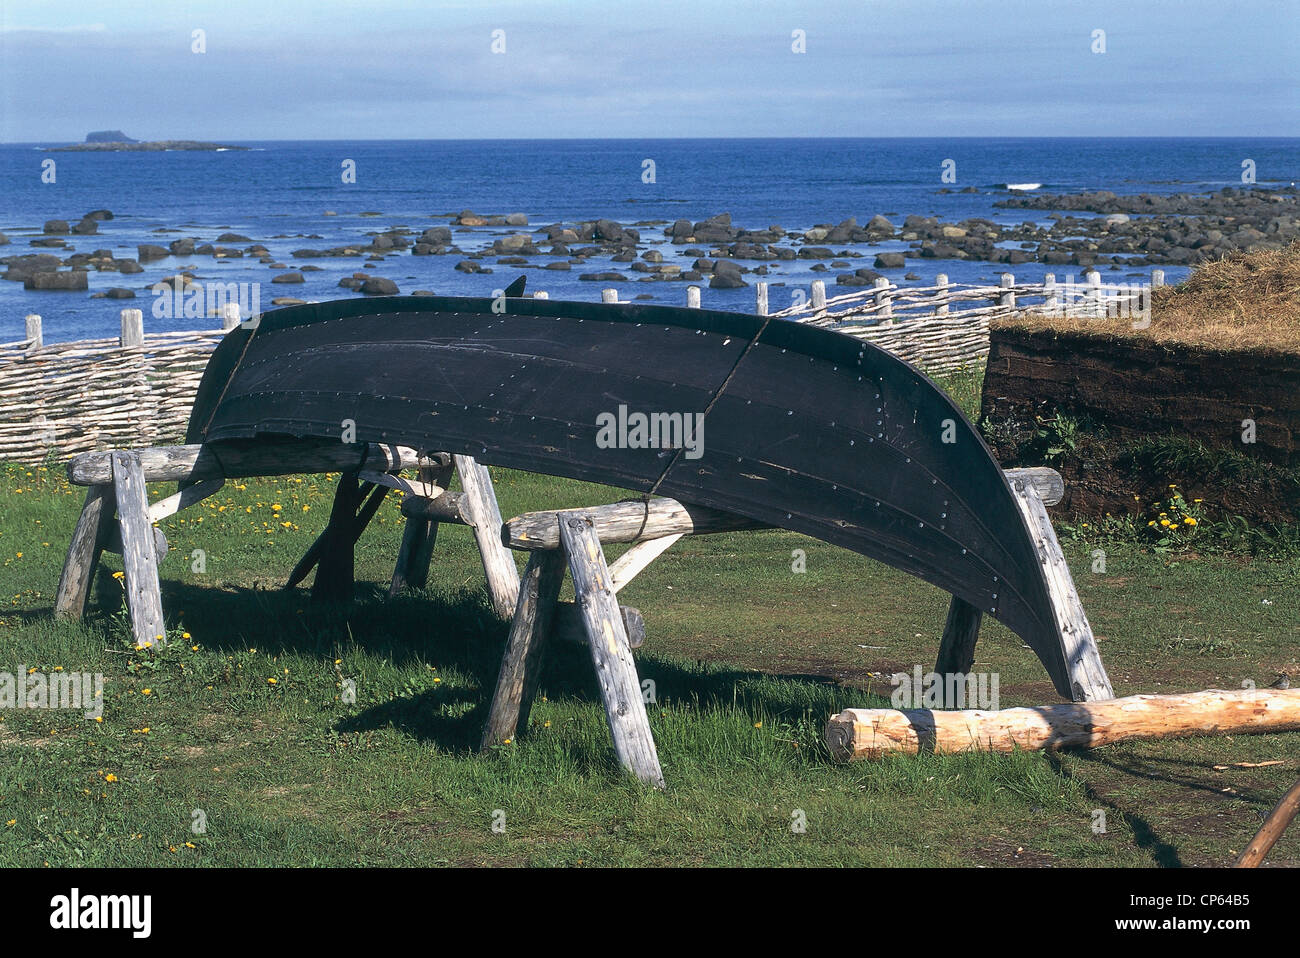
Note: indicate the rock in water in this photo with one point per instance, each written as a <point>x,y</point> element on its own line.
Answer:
<point>379,286</point>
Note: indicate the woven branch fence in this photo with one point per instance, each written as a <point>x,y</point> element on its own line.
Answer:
<point>137,390</point>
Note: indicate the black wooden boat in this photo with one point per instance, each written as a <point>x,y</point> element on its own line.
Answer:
<point>805,428</point>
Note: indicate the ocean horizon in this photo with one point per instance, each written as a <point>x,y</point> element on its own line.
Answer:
<point>294,194</point>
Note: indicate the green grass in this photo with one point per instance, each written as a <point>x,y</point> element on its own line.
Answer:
<point>748,659</point>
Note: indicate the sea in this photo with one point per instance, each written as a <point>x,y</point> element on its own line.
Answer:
<point>295,194</point>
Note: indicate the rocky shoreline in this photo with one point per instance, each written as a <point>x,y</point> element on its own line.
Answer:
<point>1119,232</point>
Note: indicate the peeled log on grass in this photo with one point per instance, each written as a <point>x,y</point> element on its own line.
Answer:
<point>872,733</point>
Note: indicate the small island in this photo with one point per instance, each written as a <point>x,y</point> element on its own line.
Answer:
<point>113,141</point>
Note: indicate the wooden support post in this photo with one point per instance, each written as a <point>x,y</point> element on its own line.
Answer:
<point>83,552</point>
<point>418,538</point>
<point>632,562</point>
<point>521,664</point>
<point>343,534</point>
<point>541,294</point>
<point>139,558</point>
<point>693,297</point>
<point>760,299</point>
<point>941,280</point>
<point>569,626</point>
<point>1278,819</point>
<point>1157,278</point>
<point>498,563</point>
<point>335,552</point>
<point>960,632</point>
<point>609,296</point>
<point>35,338</point>
<point>1088,679</point>
<point>187,497</point>
<point>132,329</point>
<point>620,688</point>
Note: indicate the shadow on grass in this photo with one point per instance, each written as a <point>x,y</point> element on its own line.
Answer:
<point>458,633</point>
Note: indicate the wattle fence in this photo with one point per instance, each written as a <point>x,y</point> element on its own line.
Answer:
<point>137,389</point>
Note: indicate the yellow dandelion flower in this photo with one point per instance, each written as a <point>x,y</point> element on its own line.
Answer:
<point>1189,521</point>
<point>146,691</point>
<point>185,635</point>
<point>758,725</point>
<point>99,718</point>
<point>12,822</point>
<point>119,575</point>
<point>110,777</point>
<point>1164,522</point>
<point>271,681</point>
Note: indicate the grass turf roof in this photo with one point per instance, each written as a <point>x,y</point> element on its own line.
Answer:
<point>1245,301</point>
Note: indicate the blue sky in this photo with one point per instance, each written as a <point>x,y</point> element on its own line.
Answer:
<point>290,69</point>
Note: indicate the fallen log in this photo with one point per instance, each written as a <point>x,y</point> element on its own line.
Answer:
<point>872,733</point>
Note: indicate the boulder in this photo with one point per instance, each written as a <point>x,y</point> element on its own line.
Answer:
<point>55,227</point>
<point>233,238</point>
<point>181,247</point>
<point>292,277</point>
<point>87,227</point>
<point>890,261</point>
<point>516,219</point>
<point>61,280</point>
<point>148,251</point>
<point>99,215</point>
<point>120,292</point>
<point>379,286</point>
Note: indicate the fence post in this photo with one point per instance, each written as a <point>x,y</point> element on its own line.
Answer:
<point>693,297</point>
<point>760,298</point>
<point>541,294</point>
<point>819,294</point>
<point>1093,279</point>
<point>34,336</point>
<point>941,280</point>
<point>609,296</point>
<point>884,301</point>
<point>132,329</point>
<point>229,316</point>
<point>1157,278</point>
<point>1050,295</point>
<point>1007,299</point>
